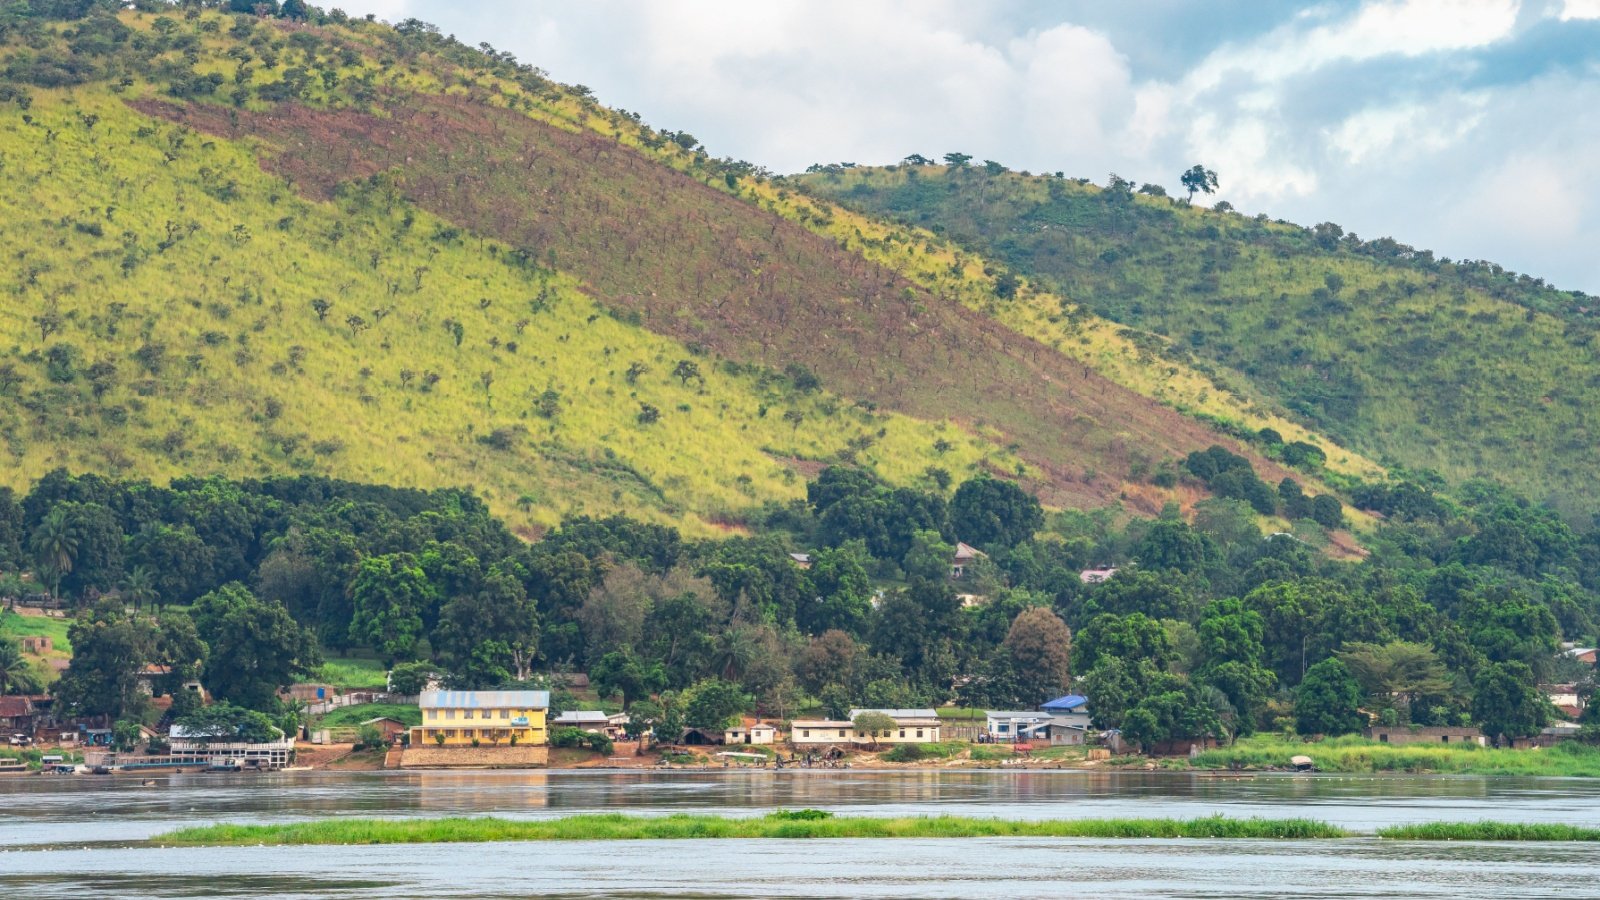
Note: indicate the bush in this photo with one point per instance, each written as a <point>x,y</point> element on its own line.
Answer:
<point>578,738</point>
<point>368,737</point>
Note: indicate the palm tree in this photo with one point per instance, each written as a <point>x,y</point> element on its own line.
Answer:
<point>736,649</point>
<point>16,676</point>
<point>139,587</point>
<point>55,547</point>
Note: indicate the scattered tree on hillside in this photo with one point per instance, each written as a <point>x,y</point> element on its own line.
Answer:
<point>1199,179</point>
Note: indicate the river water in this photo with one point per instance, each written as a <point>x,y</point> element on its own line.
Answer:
<point>69,837</point>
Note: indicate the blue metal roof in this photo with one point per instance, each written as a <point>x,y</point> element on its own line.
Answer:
<point>1069,701</point>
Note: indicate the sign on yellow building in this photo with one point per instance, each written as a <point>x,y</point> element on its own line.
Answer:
<point>482,719</point>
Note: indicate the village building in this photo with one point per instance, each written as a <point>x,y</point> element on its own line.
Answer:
<point>1005,726</point>
<point>1068,710</point>
<point>803,560</point>
<point>912,726</point>
<point>37,644</point>
<point>1400,735</point>
<point>612,725</point>
<point>187,748</point>
<point>391,728</point>
<point>17,716</point>
<point>756,734</point>
<point>694,736</point>
<point>1565,698</point>
<point>812,732</point>
<point>1037,726</point>
<point>478,718</point>
<point>1097,575</point>
<point>965,556</point>
<point>1586,655</point>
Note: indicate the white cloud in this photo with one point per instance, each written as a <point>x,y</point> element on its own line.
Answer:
<point>785,83</point>
<point>1579,9</point>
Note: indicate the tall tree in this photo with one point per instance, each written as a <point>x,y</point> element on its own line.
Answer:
<point>1506,701</point>
<point>1328,701</point>
<point>390,595</point>
<point>55,548</point>
<point>1040,646</point>
<point>256,648</point>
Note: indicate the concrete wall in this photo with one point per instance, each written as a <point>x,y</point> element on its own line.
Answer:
<point>519,757</point>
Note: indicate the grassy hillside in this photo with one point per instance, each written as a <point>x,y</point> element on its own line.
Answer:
<point>1456,367</point>
<point>252,246</point>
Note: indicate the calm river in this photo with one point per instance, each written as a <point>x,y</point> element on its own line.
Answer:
<point>65,837</point>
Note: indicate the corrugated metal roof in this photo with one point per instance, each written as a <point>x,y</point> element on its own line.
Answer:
<point>484,700</point>
<point>584,715</point>
<point>1023,714</point>
<point>1070,701</point>
<point>897,713</point>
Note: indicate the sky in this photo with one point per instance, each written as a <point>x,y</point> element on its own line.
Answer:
<point>1469,127</point>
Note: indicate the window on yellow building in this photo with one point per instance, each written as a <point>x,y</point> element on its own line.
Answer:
<point>466,714</point>
<point>505,713</point>
<point>449,714</point>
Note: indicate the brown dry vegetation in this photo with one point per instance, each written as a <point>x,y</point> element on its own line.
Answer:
<point>701,266</point>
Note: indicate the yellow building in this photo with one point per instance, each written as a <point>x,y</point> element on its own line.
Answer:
<point>489,718</point>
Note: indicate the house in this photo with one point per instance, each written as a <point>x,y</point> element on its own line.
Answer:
<point>37,644</point>
<point>1564,697</point>
<point>1097,576</point>
<point>912,726</point>
<point>153,681</point>
<point>1548,737</point>
<point>965,556</point>
<point>476,718</point>
<point>309,692</point>
<point>388,726</point>
<point>1424,734</point>
<point>810,732</point>
<point>803,560</point>
<point>1035,726</point>
<point>1585,655</point>
<point>206,749</point>
<point>759,733</point>
<point>17,715</point>
<point>597,721</point>
<point>1004,727</point>
<point>701,737</point>
<point>1068,710</point>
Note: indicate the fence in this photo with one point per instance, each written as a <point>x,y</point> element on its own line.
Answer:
<point>356,698</point>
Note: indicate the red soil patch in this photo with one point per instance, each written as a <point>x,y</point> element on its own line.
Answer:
<point>712,270</point>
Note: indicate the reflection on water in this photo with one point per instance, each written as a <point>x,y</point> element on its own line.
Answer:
<point>62,814</point>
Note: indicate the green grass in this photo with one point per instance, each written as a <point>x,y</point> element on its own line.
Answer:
<point>1489,831</point>
<point>960,714</point>
<point>353,673</point>
<point>1354,754</point>
<point>780,825</point>
<point>16,625</point>
<point>914,752</point>
<point>353,716</point>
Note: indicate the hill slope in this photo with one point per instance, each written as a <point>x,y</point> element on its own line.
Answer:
<point>251,246</point>
<point>1457,367</point>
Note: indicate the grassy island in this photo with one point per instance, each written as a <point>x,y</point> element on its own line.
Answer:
<point>783,824</point>
<point>1490,831</point>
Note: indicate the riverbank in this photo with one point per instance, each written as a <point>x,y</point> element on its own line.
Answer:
<point>783,824</point>
<point>1359,756</point>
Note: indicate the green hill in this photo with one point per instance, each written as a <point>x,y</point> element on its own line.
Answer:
<point>251,246</point>
<point>1420,362</point>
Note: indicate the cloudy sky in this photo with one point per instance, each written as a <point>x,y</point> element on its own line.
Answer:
<point>1471,127</point>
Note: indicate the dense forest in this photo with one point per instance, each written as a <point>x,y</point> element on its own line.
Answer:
<point>1206,627</point>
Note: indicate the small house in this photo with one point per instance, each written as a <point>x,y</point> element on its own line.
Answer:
<point>1097,576</point>
<point>701,737</point>
<point>803,560</point>
<point>1005,727</point>
<point>759,733</point>
<point>593,720</point>
<point>209,749</point>
<point>388,726</point>
<point>1584,655</point>
<point>1068,710</point>
<point>309,692</point>
<point>1424,734</point>
<point>965,556</point>
<point>37,644</point>
<point>17,715</point>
